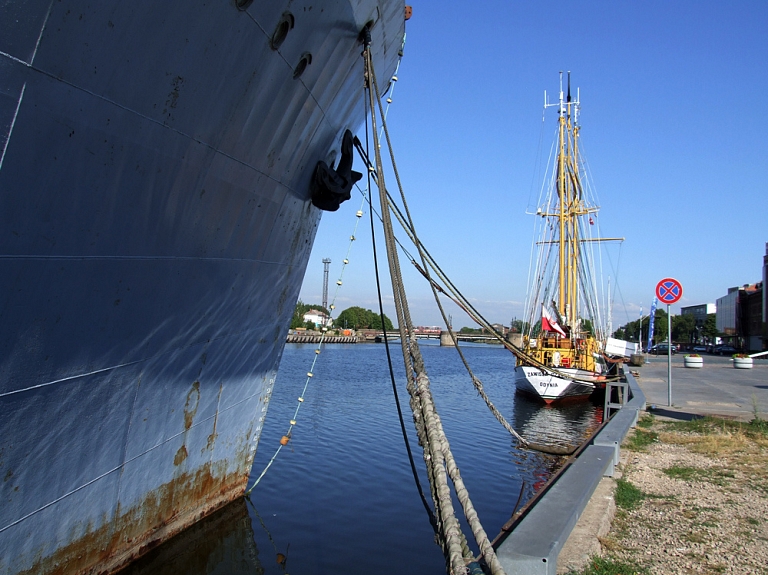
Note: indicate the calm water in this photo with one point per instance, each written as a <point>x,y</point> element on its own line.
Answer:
<point>341,497</point>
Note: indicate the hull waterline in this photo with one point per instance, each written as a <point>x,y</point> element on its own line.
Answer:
<point>549,387</point>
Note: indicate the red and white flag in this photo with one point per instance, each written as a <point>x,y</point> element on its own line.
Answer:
<point>549,323</point>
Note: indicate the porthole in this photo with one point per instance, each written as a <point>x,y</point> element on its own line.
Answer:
<point>243,4</point>
<point>306,60</point>
<point>281,30</point>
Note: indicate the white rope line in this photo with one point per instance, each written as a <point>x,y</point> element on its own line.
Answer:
<point>310,374</point>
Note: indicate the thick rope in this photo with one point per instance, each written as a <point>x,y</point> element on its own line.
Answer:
<point>430,441</point>
<point>440,456</point>
<point>431,514</point>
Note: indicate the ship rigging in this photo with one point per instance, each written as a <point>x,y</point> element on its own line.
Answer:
<point>566,328</point>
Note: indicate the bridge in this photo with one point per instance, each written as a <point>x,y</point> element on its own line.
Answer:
<point>372,336</point>
<point>478,337</point>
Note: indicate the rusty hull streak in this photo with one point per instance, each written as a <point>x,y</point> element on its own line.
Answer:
<point>180,456</point>
<point>212,437</point>
<point>189,417</point>
<point>189,413</point>
<point>133,533</point>
<point>191,550</point>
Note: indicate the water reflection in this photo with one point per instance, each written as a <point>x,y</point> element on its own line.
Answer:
<point>565,426</point>
<point>222,543</point>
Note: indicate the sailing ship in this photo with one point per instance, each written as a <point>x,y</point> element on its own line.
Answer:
<point>159,165</point>
<point>563,344</point>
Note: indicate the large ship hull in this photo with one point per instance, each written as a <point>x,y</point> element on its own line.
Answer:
<point>155,161</point>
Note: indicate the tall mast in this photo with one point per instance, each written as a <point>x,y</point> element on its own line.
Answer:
<point>568,189</point>
<point>574,209</point>
<point>561,193</point>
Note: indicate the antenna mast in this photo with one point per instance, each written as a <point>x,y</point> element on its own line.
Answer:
<point>326,262</point>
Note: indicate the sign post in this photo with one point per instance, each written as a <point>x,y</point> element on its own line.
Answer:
<point>669,290</point>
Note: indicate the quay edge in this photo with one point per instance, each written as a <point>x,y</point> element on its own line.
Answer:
<point>534,542</point>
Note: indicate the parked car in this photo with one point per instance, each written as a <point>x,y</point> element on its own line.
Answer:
<point>662,349</point>
<point>725,350</point>
<point>699,348</point>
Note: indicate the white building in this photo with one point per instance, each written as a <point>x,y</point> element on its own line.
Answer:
<point>317,317</point>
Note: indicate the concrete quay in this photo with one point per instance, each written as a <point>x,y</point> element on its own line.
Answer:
<point>717,388</point>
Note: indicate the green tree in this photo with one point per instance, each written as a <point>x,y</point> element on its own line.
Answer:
<point>375,322</point>
<point>632,330</point>
<point>638,330</point>
<point>660,324</point>
<point>709,330</point>
<point>358,318</point>
<point>683,327</point>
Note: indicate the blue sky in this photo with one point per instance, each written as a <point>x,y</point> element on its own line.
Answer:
<point>674,97</point>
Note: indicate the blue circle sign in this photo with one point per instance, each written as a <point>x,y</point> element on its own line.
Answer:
<point>669,290</point>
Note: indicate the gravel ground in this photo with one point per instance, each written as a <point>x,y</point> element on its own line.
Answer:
<point>708,513</point>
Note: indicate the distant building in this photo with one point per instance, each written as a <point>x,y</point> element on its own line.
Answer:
<point>765,298</point>
<point>317,317</point>
<point>740,316</point>
<point>499,328</point>
<point>700,313</point>
<point>727,313</point>
<point>752,317</point>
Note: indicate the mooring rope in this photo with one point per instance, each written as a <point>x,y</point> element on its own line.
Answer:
<point>430,514</point>
<point>437,453</point>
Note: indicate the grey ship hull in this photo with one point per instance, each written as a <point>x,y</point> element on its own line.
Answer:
<point>155,226</point>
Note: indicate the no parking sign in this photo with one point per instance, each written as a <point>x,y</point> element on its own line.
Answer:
<point>669,290</point>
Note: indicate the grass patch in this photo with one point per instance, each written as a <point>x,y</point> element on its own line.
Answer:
<point>679,472</point>
<point>701,425</point>
<point>608,566</point>
<point>627,496</point>
<point>646,421</point>
<point>714,476</point>
<point>756,429</point>
<point>641,439</point>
